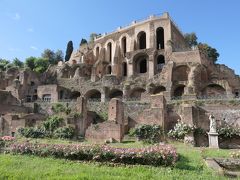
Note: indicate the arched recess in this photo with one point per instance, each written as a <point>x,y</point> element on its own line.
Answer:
<point>179,91</point>
<point>160,61</point>
<point>140,63</point>
<point>141,39</point>
<point>93,94</point>
<point>136,93</point>
<point>180,73</point>
<point>124,69</point>
<point>109,52</point>
<point>213,90</point>
<point>124,45</point>
<point>75,95</point>
<point>97,52</point>
<point>158,89</point>
<point>109,69</point>
<point>160,38</point>
<point>115,93</point>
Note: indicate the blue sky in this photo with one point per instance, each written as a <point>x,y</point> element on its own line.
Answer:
<point>27,27</point>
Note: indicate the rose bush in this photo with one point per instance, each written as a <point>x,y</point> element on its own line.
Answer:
<point>153,155</point>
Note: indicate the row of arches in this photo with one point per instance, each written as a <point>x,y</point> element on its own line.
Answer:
<point>141,43</point>
<point>140,63</point>
<point>211,90</point>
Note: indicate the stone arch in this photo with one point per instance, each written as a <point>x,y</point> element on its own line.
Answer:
<point>158,89</point>
<point>213,90</point>
<point>180,73</point>
<point>142,40</point>
<point>74,94</point>
<point>136,93</point>
<point>160,61</point>
<point>160,38</point>
<point>140,63</point>
<point>109,69</point>
<point>128,41</point>
<point>179,91</point>
<point>97,49</point>
<point>115,93</point>
<point>124,45</point>
<point>124,69</point>
<point>109,52</point>
<point>93,94</point>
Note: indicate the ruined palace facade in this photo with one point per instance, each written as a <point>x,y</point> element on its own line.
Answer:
<point>147,63</point>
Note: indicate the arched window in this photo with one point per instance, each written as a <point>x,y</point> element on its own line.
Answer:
<point>109,69</point>
<point>142,40</point>
<point>75,95</point>
<point>97,52</point>
<point>140,63</point>
<point>136,93</point>
<point>143,66</point>
<point>124,45</point>
<point>93,95</point>
<point>109,51</point>
<point>159,89</point>
<point>124,69</point>
<point>179,91</point>
<point>160,62</point>
<point>160,38</point>
<point>115,93</point>
<point>214,90</point>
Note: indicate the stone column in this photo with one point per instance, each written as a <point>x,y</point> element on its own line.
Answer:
<point>81,121</point>
<point>188,114</point>
<point>151,66</point>
<point>158,105</point>
<point>116,115</point>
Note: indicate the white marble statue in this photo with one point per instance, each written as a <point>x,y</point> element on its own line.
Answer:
<point>213,124</point>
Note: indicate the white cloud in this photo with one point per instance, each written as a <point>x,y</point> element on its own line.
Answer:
<point>33,48</point>
<point>30,30</point>
<point>16,16</point>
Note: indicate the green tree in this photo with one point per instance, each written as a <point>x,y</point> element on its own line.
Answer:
<point>30,62</point>
<point>83,41</point>
<point>3,63</point>
<point>191,39</point>
<point>41,65</point>
<point>18,63</point>
<point>59,56</point>
<point>49,55</point>
<point>69,50</point>
<point>209,51</point>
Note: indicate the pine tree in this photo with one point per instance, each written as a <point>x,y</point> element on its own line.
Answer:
<point>69,50</point>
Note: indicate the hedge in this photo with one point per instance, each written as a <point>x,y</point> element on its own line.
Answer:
<point>156,155</point>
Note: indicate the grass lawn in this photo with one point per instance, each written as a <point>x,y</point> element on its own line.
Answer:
<point>190,166</point>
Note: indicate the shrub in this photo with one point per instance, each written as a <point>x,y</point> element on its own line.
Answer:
<point>235,154</point>
<point>228,131</point>
<point>52,123</point>
<point>58,107</point>
<point>153,155</point>
<point>180,130</point>
<point>64,132</point>
<point>30,132</point>
<point>77,115</point>
<point>147,133</point>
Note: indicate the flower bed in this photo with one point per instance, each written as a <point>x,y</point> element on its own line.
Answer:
<point>153,155</point>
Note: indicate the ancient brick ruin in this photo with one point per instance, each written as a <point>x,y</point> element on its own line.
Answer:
<point>143,73</point>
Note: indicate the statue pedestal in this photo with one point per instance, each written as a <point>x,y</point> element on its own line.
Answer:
<point>213,140</point>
